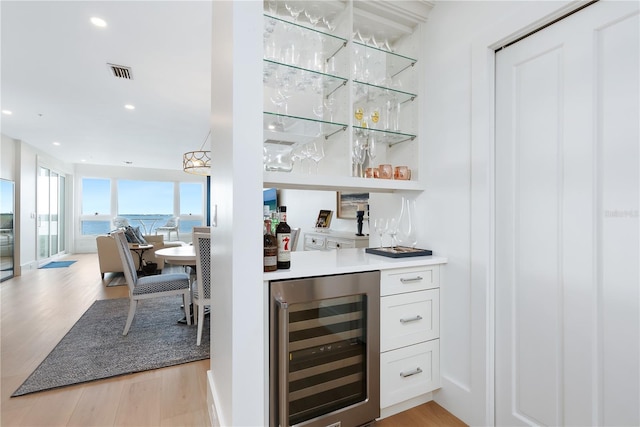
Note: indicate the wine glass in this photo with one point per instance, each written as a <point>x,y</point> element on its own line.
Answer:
<point>330,20</point>
<point>313,14</point>
<point>359,152</point>
<point>380,225</point>
<point>392,231</point>
<point>299,154</point>
<point>372,148</point>
<point>329,104</point>
<point>315,152</point>
<point>295,9</point>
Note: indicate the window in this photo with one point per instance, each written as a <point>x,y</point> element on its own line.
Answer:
<point>145,204</point>
<point>96,206</point>
<point>191,195</point>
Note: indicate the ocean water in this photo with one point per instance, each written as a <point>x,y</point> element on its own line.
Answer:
<point>148,222</point>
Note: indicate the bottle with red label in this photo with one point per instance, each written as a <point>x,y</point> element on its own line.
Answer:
<point>283,236</point>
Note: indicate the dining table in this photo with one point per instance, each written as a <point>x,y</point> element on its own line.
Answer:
<point>178,255</point>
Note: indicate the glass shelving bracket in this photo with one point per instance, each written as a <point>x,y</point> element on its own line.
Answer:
<point>342,46</point>
<point>329,79</point>
<point>299,129</point>
<point>408,66</point>
<point>339,42</point>
<point>407,96</point>
<point>403,62</point>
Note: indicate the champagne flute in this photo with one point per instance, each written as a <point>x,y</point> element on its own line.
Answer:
<point>359,151</point>
<point>392,231</point>
<point>316,152</point>
<point>372,148</point>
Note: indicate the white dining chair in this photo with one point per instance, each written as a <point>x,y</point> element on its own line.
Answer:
<point>150,286</point>
<point>202,285</point>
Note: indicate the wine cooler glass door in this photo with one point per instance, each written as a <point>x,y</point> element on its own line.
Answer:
<point>326,352</point>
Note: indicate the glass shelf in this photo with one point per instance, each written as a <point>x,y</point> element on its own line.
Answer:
<point>396,63</point>
<point>273,69</point>
<point>388,136</point>
<point>331,44</point>
<point>384,91</point>
<point>281,127</point>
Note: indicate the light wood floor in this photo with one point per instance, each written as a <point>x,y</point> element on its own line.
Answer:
<point>38,309</point>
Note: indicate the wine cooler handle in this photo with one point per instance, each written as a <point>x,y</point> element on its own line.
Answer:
<point>411,279</point>
<point>283,362</point>
<point>411,319</point>
<point>408,374</point>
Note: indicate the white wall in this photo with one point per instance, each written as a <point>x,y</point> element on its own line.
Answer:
<point>7,158</point>
<point>303,207</point>
<point>458,120</point>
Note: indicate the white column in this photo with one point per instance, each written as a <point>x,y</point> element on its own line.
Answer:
<point>237,380</point>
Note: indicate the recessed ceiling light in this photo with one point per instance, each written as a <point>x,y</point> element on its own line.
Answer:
<point>98,22</point>
<point>56,143</point>
<point>7,112</point>
<point>130,107</point>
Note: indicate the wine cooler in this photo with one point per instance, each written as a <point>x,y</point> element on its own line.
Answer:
<point>325,351</point>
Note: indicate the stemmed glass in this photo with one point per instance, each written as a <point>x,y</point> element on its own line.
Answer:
<point>359,152</point>
<point>313,14</point>
<point>372,148</point>
<point>380,225</point>
<point>392,231</point>
<point>315,151</point>
<point>295,9</point>
<point>299,153</point>
<point>329,104</point>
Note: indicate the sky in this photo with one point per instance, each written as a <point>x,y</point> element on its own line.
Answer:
<point>140,197</point>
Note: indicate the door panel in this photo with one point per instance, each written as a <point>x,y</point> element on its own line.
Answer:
<point>567,299</point>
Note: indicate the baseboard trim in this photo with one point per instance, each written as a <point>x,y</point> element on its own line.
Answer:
<point>406,405</point>
<point>214,415</point>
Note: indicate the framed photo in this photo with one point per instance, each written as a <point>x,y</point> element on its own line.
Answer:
<point>324,219</point>
<point>348,202</point>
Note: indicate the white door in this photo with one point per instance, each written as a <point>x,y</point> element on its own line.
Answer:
<point>567,244</point>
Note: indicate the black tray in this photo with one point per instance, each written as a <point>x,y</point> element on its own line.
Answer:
<point>399,252</point>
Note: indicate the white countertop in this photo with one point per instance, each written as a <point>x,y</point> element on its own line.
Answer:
<point>323,263</point>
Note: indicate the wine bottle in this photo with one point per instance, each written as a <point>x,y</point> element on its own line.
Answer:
<point>283,236</point>
<point>270,248</point>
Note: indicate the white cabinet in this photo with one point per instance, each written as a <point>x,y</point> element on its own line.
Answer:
<point>409,337</point>
<point>328,240</point>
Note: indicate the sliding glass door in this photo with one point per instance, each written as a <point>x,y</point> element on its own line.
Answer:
<point>7,204</point>
<point>51,198</point>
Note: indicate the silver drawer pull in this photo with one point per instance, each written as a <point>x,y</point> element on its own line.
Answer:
<point>412,279</point>
<point>411,319</point>
<point>408,374</point>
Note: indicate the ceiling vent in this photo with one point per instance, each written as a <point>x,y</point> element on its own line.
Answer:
<point>120,71</point>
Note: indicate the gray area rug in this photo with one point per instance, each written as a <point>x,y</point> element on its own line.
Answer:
<point>95,348</point>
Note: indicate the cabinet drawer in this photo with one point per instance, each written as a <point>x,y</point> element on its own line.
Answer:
<point>314,242</point>
<point>409,279</point>
<point>410,318</point>
<point>340,244</point>
<point>409,372</point>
